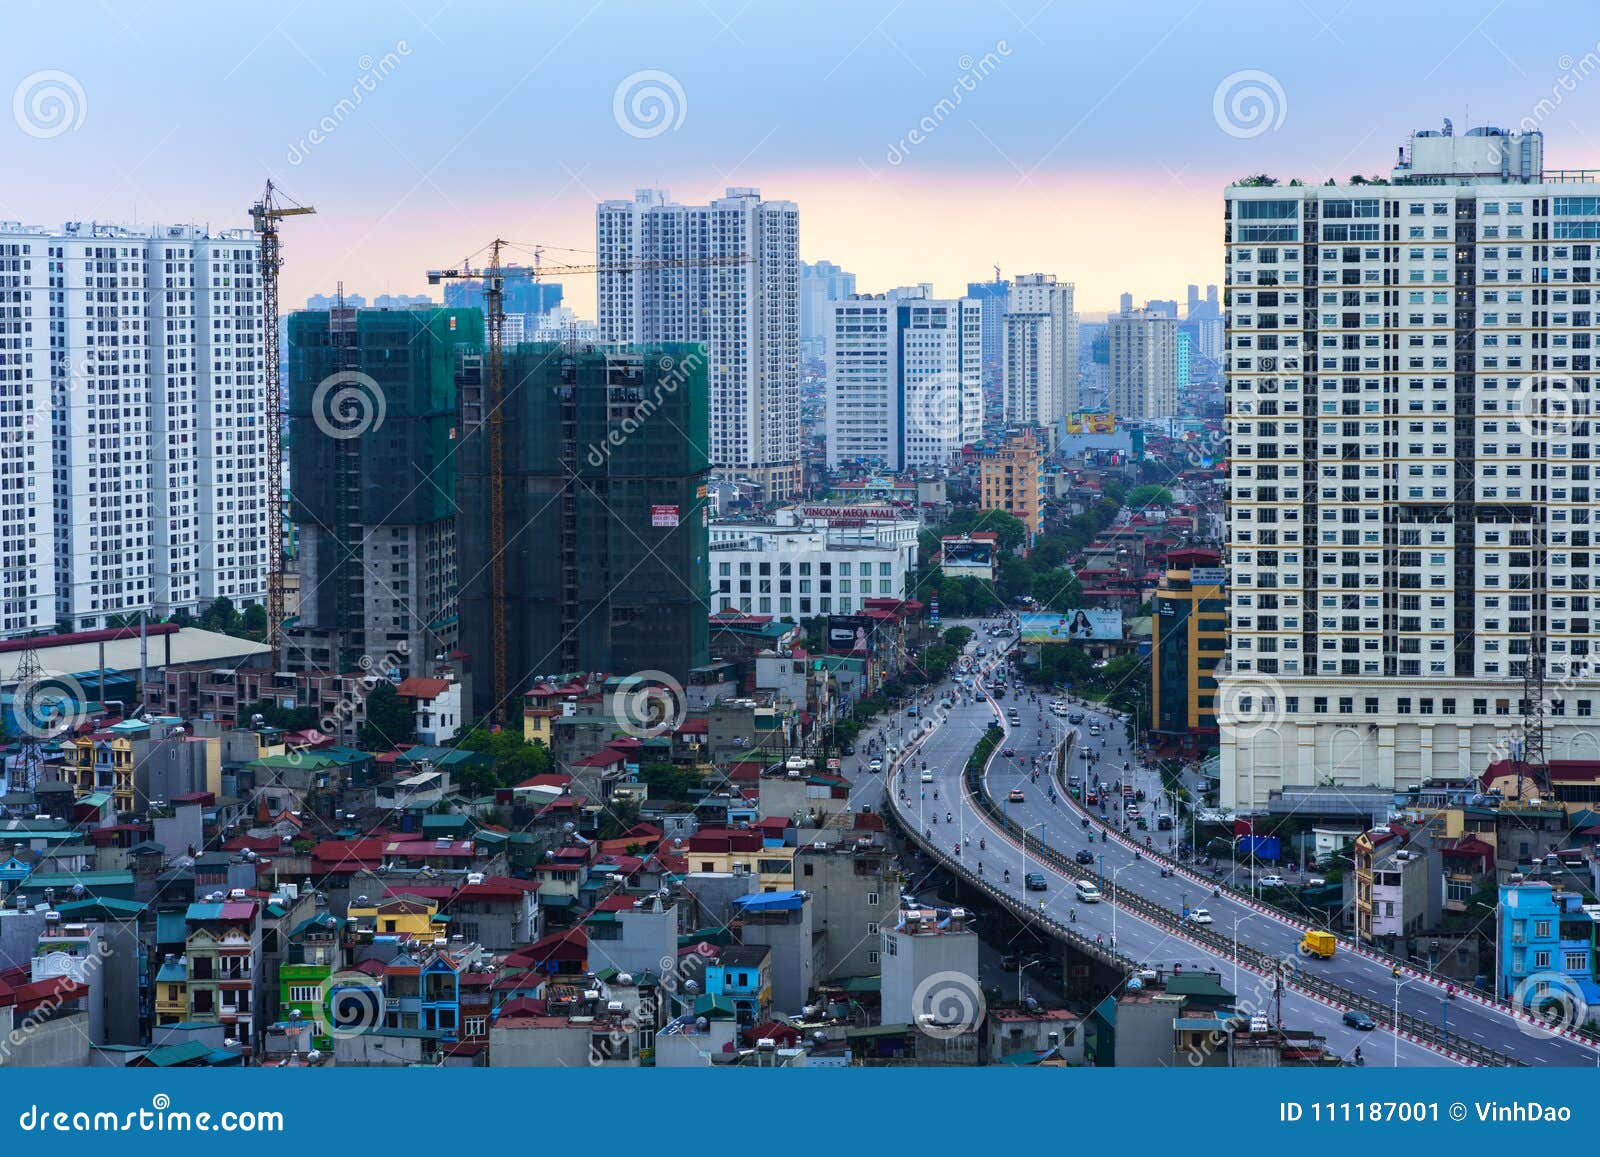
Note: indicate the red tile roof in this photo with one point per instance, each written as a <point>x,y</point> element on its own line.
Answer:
<point>417,687</point>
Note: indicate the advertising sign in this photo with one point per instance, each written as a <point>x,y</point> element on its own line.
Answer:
<point>1084,623</point>
<point>664,516</point>
<point>850,634</point>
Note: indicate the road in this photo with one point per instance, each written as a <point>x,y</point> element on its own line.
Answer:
<point>946,748</point>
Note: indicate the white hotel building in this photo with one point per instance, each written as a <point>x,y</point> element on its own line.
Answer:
<point>905,378</point>
<point>131,395</point>
<point>747,313</point>
<point>1411,446</point>
<point>812,560</point>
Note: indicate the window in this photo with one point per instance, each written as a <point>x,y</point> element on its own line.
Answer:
<point>475,1025</point>
<point>872,899</point>
<point>304,993</point>
<point>872,927</point>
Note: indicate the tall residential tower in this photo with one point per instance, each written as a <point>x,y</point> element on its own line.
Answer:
<point>683,280</point>
<point>1411,498</point>
<point>133,383</point>
<point>1040,371</point>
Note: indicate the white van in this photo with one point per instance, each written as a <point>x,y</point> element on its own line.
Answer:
<point>1088,893</point>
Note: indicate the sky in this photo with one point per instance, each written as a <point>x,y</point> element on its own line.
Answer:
<point>923,140</point>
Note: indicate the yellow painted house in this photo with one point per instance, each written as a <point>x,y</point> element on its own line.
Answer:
<point>100,762</point>
<point>408,917</point>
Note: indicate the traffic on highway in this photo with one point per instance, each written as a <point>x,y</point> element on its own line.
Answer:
<point>921,777</point>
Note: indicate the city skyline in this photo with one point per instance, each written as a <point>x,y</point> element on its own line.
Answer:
<point>1106,170</point>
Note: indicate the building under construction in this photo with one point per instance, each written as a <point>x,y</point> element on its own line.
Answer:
<point>373,403</point>
<point>604,483</point>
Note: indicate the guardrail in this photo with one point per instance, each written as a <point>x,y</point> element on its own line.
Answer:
<point>1413,1028</point>
<point>1238,896</point>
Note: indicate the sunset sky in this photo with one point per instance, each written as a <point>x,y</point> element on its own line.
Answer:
<point>1089,140</point>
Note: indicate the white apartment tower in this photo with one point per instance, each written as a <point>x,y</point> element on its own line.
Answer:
<point>132,376</point>
<point>1411,497</point>
<point>905,378</point>
<point>726,274</point>
<point>1040,367</point>
<point>1144,365</point>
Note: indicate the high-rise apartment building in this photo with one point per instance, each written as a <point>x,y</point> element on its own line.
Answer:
<point>373,404</point>
<point>137,476</point>
<point>726,274</point>
<point>1041,351</point>
<point>1411,495</point>
<point>1011,478</point>
<point>605,512</point>
<point>905,378</point>
<point>994,296</point>
<point>821,284</point>
<point>1144,364</point>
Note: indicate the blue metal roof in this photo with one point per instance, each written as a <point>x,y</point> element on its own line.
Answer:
<point>771,901</point>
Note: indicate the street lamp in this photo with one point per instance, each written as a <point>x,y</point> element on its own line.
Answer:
<point>1114,874</point>
<point>1238,920</point>
<point>1398,985</point>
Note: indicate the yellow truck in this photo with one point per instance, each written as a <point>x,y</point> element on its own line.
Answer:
<point>1319,944</point>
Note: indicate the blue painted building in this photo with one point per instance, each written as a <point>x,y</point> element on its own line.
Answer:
<point>1547,949</point>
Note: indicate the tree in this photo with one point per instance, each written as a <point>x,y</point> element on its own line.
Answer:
<point>389,722</point>
<point>254,623</point>
<point>298,719</point>
<point>937,661</point>
<point>669,781</point>
<point>1150,495</point>
<point>515,759</point>
<point>958,637</point>
<point>221,615</point>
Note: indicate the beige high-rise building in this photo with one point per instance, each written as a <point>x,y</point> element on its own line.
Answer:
<point>1144,365</point>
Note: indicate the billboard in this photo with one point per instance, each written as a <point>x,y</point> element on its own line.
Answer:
<point>958,553</point>
<point>1068,626</point>
<point>663,516</point>
<point>850,634</point>
<point>1091,423</point>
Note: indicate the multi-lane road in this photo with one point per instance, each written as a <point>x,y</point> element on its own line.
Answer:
<point>941,810</point>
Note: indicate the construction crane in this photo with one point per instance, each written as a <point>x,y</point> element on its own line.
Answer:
<point>493,278</point>
<point>264,216</point>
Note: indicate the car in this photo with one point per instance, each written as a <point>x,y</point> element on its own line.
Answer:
<point>1092,798</point>
<point>982,651</point>
<point>1084,856</point>
<point>1273,881</point>
<point>848,749</point>
<point>1074,780</point>
<point>1199,916</point>
<point>1075,717</point>
<point>1163,823</point>
<point>1359,1020</point>
<point>1010,962</point>
<point>1088,893</point>
<point>1133,811</point>
<point>1094,729</point>
<point>1034,881</point>
<point>1084,753</point>
<point>1015,795</point>
<point>927,776</point>
<point>1008,751</point>
<point>875,763</point>
<point>1316,881</point>
<point>912,711</point>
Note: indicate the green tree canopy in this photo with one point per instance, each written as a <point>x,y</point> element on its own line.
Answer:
<point>390,720</point>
